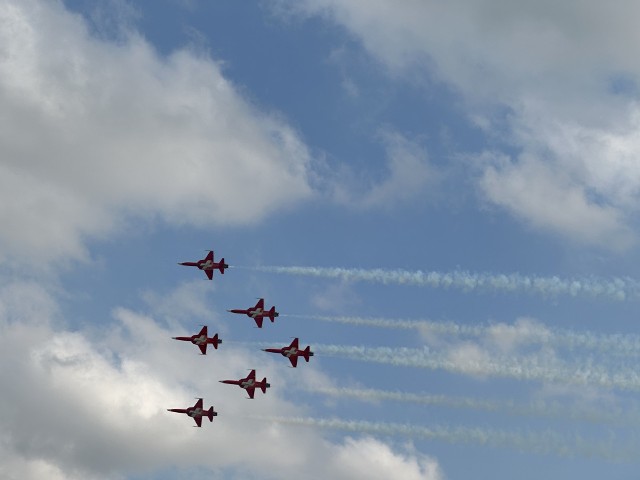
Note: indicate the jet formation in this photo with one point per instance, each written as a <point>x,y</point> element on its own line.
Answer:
<point>258,313</point>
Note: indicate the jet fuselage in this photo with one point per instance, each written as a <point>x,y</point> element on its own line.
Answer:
<point>194,412</point>
<point>208,265</point>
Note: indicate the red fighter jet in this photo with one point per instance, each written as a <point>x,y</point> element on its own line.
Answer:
<point>208,265</point>
<point>249,383</point>
<point>196,412</point>
<point>201,340</point>
<point>292,352</point>
<point>258,312</point>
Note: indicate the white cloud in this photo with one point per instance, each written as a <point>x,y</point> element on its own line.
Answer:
<point>188,300</point>
<point>375,457</point>
<point>547,199</point>
<point>604,159</point>
<point>524,335</point>
<point>92,404</point>
<point>508,338</point>
<point>478,46</point>
<point>470,358</point>
<point>13,467</point>
<point>96,133</point>
<point>522,349</point>
<point>563,74</point>
<point>337,297</point>
<point>408,174</point>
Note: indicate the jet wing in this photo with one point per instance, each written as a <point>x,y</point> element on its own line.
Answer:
<point>259,320</point>
<point>203,348</point>
<point>260,304</point>
<point>251,376</point>
<point>203,331</point>
<point>198,420</point>
<point>209,256</point>
<point>198,404</point>
<point>251,391</point>
<point>294,344</point>
<point>209,274</point>
<point>294,360</point>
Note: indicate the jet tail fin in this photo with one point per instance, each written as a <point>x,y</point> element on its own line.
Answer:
<point>307,353</point>
<point>264,385</point>
<point>222,265</point>
<point>211,413</point>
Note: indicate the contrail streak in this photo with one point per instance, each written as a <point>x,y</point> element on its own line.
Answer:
<point>528,333</point>
<point>615,288</point>
<point>537,367</point>
<point>543,443</point>
<point>543,409</point>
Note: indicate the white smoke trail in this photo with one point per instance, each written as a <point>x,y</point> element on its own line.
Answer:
<point>529,333</point>
<point>615,288</point>
<point>531,367</point>
<point>543,409</point>
<point>540,367</point>
<point>546,442</point>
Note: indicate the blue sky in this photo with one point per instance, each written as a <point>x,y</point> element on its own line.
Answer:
<point>472,139</point>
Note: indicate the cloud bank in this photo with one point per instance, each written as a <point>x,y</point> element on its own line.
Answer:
<point>96,133</point>
<point>556,82</point>
<point>92,404</point>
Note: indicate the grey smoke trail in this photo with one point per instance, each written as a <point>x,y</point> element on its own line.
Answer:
<point>543,409</point>
<point>538,367</point>
<point>615,288</point>
<point>544,443</point>
<point>529,333</point>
